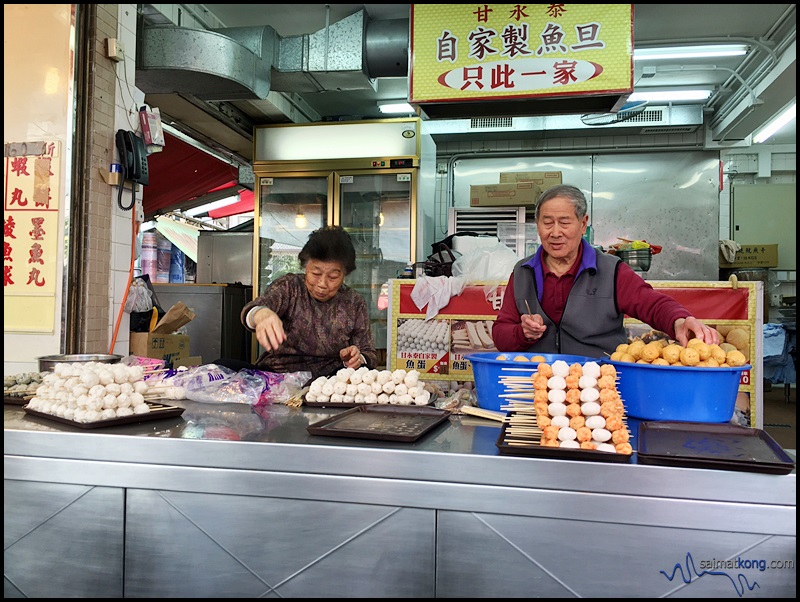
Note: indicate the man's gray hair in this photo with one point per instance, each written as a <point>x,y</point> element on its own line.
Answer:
<point>571,193</point>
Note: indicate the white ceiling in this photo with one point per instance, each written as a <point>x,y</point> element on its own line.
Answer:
<point>653,23</point>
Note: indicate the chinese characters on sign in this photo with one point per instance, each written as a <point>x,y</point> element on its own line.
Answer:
<point>30,236</point>
<point>503,51</point>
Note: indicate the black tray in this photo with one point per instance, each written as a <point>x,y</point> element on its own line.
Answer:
<point>17,400</point>
<point>385,422</point>
<point>157,411</point>
<point>539,451</point>
<point>709,445</point>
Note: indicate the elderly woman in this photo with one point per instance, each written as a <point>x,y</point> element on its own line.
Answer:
<point>313,321</point>
<point>567,298</point>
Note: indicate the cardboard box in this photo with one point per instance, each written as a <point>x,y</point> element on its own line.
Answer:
<point>753,256</point>
<point>169,347</point>
<point>543,179</point>
<point>503,195</point>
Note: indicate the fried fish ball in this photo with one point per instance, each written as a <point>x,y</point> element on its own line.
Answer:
<point>521,358</point>
<point>544,369</point>
<point>608,370</point>
<point>537,358</point>
<point>651,351</point>
<point>617,356</point>
<point>672,352</point>
<point>607,395</point>
<point>576,369</point>
<point>635,349</point>
<point>623,448</point>
<point>501,358</point>
<point>606,382</point>
<point>701,347</point>
<point>573,396</point>
<point>627,358</point>
<point>735,358</point>
<point>717,353</point>
<point>577,422</point>
<point>614,423</point>
<point>588,445</point>
<point>541,396</point>
<point>609,409</point>
<point>619,436</point>
<point>540,382</point>
<point>550,443</point>
<point>550,432</point>
<point>712,363</point>
<point>574,409</point>
<point>541,407</point>
<point>543,421</point>
<point>583,434</point>
<point>572,381</point>
<point>690,356</point>
<point>622,348</point>
<point>659,361</point>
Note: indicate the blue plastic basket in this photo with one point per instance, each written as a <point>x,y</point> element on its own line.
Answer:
<point>488,371</point>
<point>679,393</point>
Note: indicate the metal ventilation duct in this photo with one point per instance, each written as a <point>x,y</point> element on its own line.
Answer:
<point>246,63</point>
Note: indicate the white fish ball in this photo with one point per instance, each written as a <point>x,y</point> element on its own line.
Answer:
<point>359,397</point>
<point>351,389</point>
<point>343,375</point>
<point>587,382</point>
<point>383,398</point>
<point>108,413</point>
<point>560,368</point>
<point>401,389</point>
<point>363,388</point>
<point>556,395</point>
<point>315,388</point>
<point>120,374</point>
<point>106,376</point>
<point>322,398</point>
<point>80,415</point>
<point>423,398</point>
<point>370,398</point>
<point>412,378</point>
<point>126,388</point>
<point>591,369</point>
<point>69,414</point>
<point>590,408</point>
<point>369,376</point>
<point>570,443</point>
<point>113,389</point>
<point>311,396</point>
<point>340,388</point>
<point>60,409</point>
<point>110,401</point>
<point>601,435</point>
<point>377,387</point>
<point>327,389</point>
<point>356,377</point>
<point>337,398</point>
<point>416,390</point>
<point>141,408</point>
<point>97,390</point>
<point>79,390</point>
<point>135,373</point>
<point>123,412</point>
<point>392,398</point>
<point>91,416</point>
<point>82,400</point>
<point>320,380</point>
<point>560,421</point>
<point>136,398</point>
<point>606,447</point>
<point>398,376</point>
<point>595,422</point>
<point>90,379</point>
<point>567,434</point>
<point>556,382</point>
<point>384,376</point>
<point>404,400</point>
<point>590,394</point>
<point>557,409</point>
<point>124,401</point>
<point>95,404</point>
<point>388,387</point>
<point>348,398</point>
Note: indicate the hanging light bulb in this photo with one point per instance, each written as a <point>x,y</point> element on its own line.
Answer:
<point>380,218</point>
<point>300,220</point>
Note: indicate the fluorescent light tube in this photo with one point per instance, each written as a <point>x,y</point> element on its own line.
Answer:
<point>211,206</point>
<point>689,52</point>
<point>396,107</point>
<point>776,124</point>
<point>670,95</point>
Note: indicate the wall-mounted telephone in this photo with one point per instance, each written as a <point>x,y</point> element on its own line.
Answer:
<point>133,156</point>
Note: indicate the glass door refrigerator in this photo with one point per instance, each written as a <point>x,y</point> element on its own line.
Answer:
<point>370,185</point>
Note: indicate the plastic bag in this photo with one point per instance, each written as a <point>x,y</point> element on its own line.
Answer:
<point>253,387</point>
<point>139,297</point>
<point>491,264</point>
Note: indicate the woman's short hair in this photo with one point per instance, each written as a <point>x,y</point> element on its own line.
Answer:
<point>330,243</point>
<point>571,193</point>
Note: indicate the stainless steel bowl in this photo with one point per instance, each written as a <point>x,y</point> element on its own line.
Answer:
<point>638,259</point>
<point>48,362</point>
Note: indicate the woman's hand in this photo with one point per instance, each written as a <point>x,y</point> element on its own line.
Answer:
<point>269,329</point>
<point>691,327</point>
<point>351,357</point>
<point>532,326</point>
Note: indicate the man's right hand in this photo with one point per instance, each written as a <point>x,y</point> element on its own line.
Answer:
<point>532,326</point>
<point>269,329</point>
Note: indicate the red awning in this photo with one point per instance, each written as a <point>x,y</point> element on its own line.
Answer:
<point>181,173</point>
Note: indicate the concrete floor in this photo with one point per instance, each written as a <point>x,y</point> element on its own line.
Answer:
<point>780,417</point>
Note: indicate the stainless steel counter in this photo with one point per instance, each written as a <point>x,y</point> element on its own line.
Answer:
<point>250,504</point>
